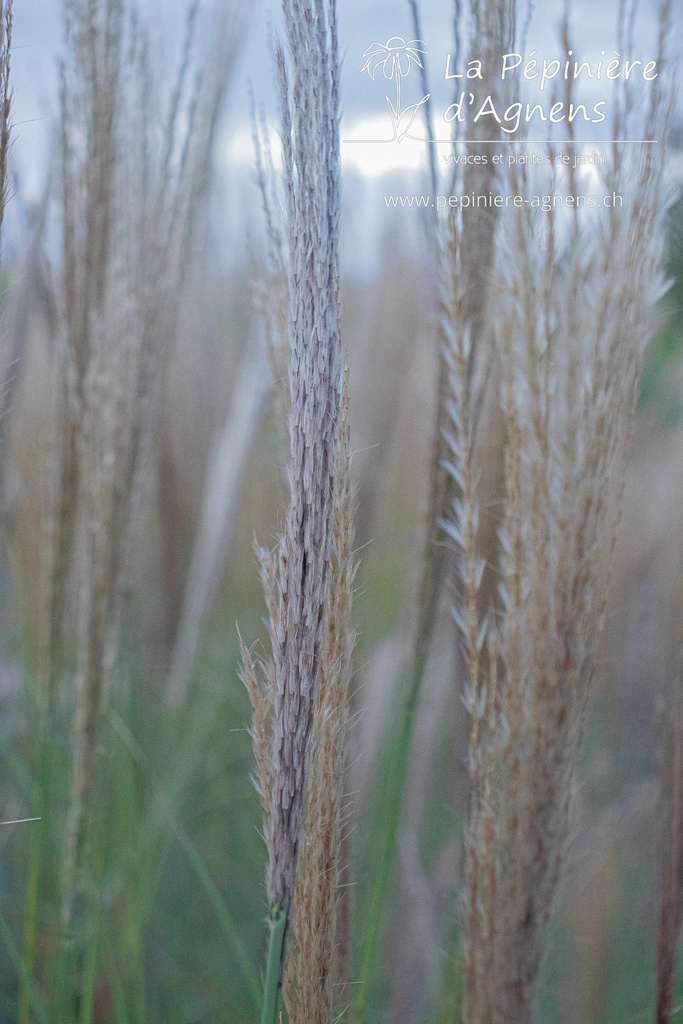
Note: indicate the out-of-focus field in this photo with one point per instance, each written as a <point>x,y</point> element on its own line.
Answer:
<point>189,773</point>
<point>173,828</point>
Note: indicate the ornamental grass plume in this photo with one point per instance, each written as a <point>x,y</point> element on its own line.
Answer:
<point>299,698</point>
<point>671,895</point>
<point>314,978</point>
<point>572,316</point>
<point>6,20</point>
<point>130,201</point>
<point>92,410</point>
<point>463,264</point>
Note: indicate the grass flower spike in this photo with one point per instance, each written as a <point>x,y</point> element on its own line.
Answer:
<point>308,586</point>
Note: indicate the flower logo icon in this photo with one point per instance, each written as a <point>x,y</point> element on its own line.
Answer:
<point>396,58</point>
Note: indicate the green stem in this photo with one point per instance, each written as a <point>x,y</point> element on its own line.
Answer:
<point>37,843</point>
<point>89,984</point>
<point>200,870</point>
<point>276,941</point>
<point>62,1012</point>
<point>398,745</point>
<point>35,860</point>
<point>37,697</point>
<point>7,941</point>
<point>140,989</point>
<point>392,792</point>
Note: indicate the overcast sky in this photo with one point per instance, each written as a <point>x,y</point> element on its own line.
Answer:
<point>370,171</point>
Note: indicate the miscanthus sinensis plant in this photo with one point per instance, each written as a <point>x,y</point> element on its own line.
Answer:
<point>132,183</point>
<point>299,693</point>
<point>6,20</point>
<point>462,252</point>
<point>570,317</point>
<point>6,24</point>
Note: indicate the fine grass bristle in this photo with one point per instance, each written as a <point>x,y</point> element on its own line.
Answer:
<point>571,321</point>
<point>308,586</point>
<point>130,198</point>
<point>465,834</point>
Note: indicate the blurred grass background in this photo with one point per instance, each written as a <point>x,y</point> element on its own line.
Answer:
<point>179,935</point>
<point>186,773</point>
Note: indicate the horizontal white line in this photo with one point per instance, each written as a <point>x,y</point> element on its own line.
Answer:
<point>515,142</point>
<point>560,142</point>
<point>19,821</point>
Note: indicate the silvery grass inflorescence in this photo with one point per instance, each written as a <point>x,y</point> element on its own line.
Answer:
<point>130,200</point>
<point>300,696</point>
<point>572,315</point>
<point>6,18</point>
